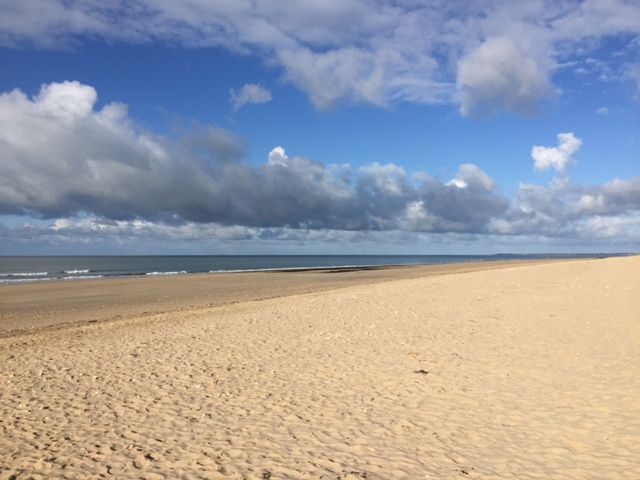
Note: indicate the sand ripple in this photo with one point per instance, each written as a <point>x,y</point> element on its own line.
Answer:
<point>530,372</point>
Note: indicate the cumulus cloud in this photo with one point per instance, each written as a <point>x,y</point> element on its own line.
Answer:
<point>96,173</point>
<point>328,77</point>
<point>485,56</point>
<point>563,209</point>
<point>248,94</point>
<point>499,75</point>
<point>612,198</point>
<point>62,157</point>
<point>67,101</point>
<point>467,203</point>
<point>556,158</point>
<point>470,175</point>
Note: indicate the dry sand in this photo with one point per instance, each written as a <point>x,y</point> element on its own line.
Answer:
<point>522,372</point>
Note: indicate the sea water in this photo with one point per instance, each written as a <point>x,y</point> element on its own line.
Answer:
<point>25,269</point>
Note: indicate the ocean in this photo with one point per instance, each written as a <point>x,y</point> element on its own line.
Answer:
<point>47,268</point>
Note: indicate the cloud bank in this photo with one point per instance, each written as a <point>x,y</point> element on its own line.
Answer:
<point>98,171</point>
<point>485,56</point>
<point>61,157</point>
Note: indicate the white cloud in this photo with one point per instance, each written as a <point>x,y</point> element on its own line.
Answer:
<point>611,228</point>
<point>328,77</point>
<point>486,56</point>
<point>557,158</point>
<point>250,93</point>
<point>98,173</point>
<point>278,156</point>
<point>499,75</point>
<point>597,18</point>
<point>602,111</point>
<point>567,210</point>
<point>590,203</point>
<point>84,161</point>
<point>67,100</point>
<point>389,178</point>
<point>417,218</point>
<point>470,175</point>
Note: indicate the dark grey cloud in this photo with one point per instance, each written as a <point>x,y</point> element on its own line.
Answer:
<point>465,204</point>
<point>60,158</point>
<point>96,172</point>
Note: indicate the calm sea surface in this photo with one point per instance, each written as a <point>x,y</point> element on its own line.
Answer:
<point>34,269</point>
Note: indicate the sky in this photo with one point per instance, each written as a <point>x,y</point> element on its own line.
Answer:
<point>338,126</point>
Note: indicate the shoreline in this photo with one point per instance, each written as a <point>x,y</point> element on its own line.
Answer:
<point>95,272</point>
<point>30,307</point>
<point>328,269</point>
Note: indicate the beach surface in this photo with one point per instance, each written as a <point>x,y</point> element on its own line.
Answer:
<point>505,370</point>
<point>32,306</point>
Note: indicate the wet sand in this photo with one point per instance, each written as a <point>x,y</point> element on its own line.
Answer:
<point>29,307</point>
<point>523,371</point>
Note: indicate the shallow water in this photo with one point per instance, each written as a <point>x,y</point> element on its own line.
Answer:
<point>43,268</point>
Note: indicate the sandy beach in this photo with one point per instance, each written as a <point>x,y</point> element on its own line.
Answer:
<point>509,370</point>
<point>30,307</point>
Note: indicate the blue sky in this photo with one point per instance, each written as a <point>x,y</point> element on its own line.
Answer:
<point>376,107</point>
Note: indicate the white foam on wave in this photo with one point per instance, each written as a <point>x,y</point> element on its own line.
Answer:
<point>181,272</point>
<point>11,281</point>
<point>75,272</point>
<point>81,277</point>
<point>24,274</point>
